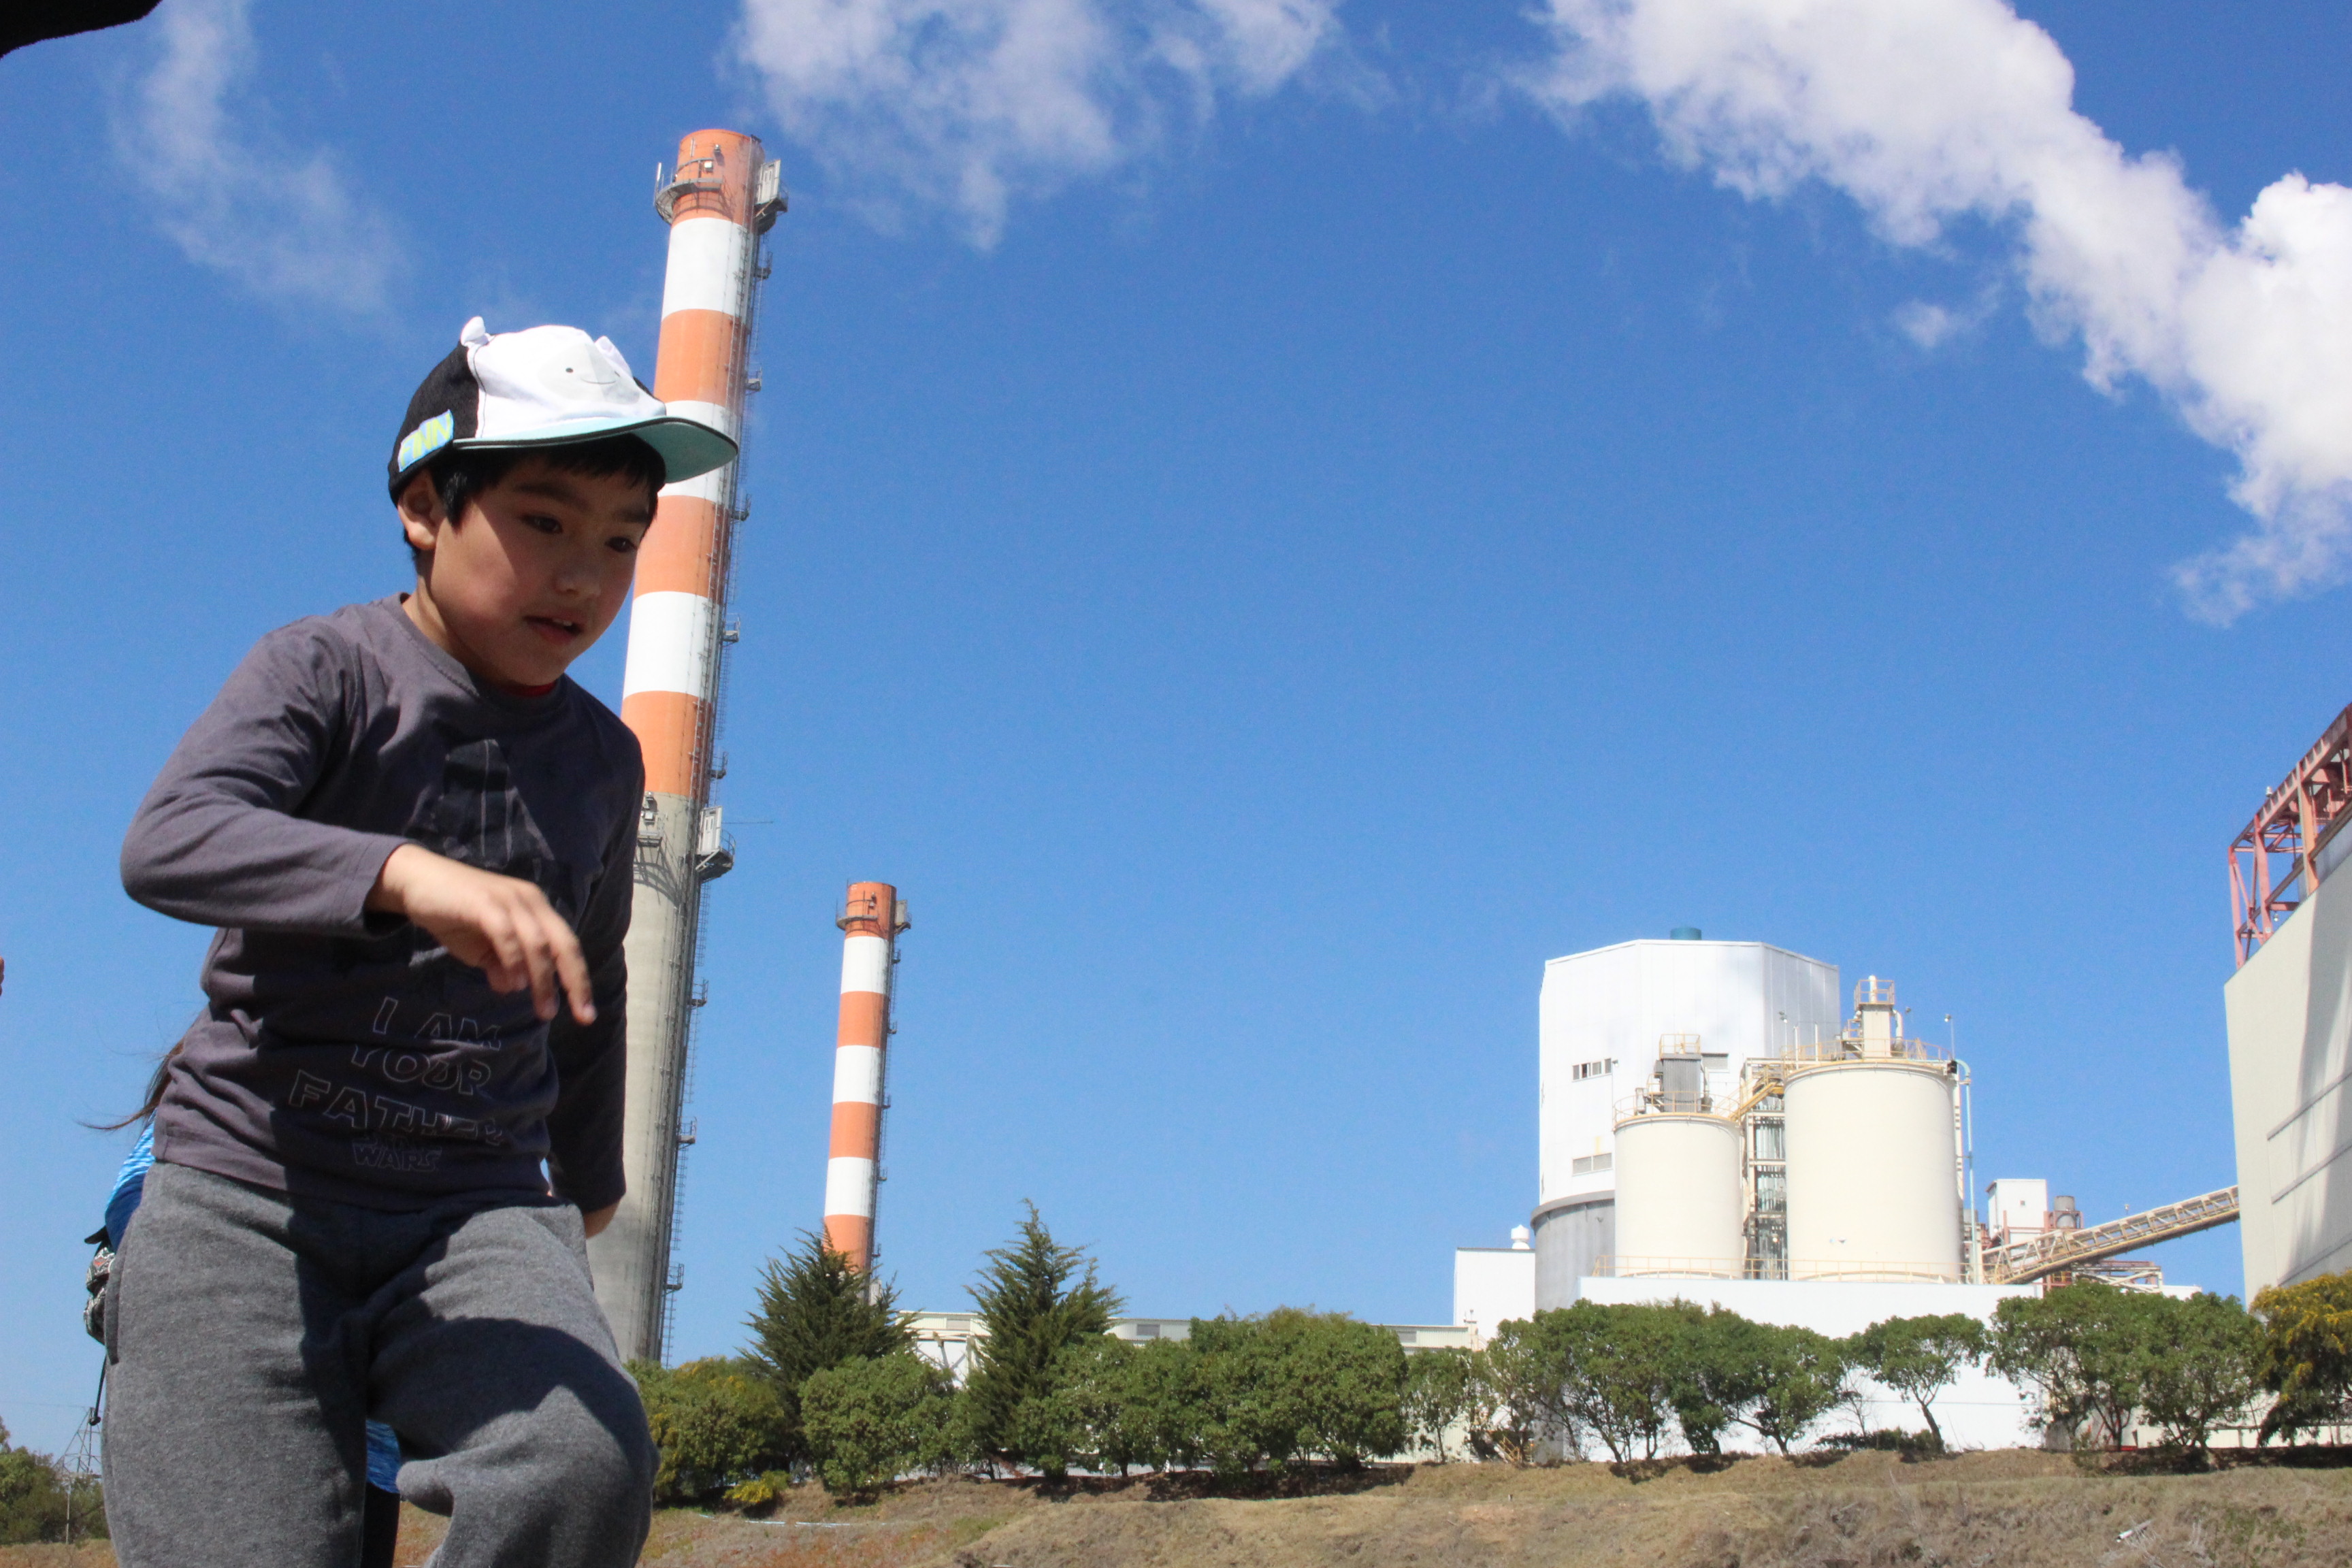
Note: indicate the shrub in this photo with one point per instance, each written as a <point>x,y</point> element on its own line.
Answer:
<point>1525,1392</point>
<point>717,1422</point>
<point>1800,1376</point>
<point>2305,1354</point>
<point>1714,1371</point>
<point>1443,1389</point>
<point>1161,1420</point>
<point>1919,1357</point>
<point>37,1499</point>
<point>1115,1405</point>
<point>1617,1370</point>
<point>2084,1349</point>
<point>2202,1367</point>
<point>1295,1384</point>
<point>1619,1375</point>
<point>868,1421</point>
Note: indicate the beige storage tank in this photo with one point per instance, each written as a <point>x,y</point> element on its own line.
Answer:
<point>1872,1193</point>
<point>1678,1196</point>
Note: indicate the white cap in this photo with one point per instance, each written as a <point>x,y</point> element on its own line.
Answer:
<point>545,386</point>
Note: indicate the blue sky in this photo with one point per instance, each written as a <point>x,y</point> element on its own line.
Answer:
<point>1306,513</point>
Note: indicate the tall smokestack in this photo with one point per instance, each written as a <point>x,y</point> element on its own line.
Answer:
<point>871,920</point>
<point>724,195</point>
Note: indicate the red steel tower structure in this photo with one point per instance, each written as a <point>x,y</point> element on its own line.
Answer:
<point>2273,862</point>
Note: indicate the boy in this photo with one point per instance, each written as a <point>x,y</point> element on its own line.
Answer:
<point>417,837</point>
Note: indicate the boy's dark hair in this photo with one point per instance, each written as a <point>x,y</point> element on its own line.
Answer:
<point>460,474</point>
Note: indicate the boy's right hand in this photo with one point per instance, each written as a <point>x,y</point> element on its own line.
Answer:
<point>503,926</point>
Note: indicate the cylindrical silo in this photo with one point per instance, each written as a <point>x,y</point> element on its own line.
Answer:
<point>1678,1198</point>
<point>1872,1190</point>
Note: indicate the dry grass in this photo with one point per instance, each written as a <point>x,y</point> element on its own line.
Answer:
<point>1987,1510</point>
<point>2008,1510</point>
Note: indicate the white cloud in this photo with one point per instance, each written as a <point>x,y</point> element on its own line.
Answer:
<point>1930,326</point>
<point>1925,324</point>
<point>1926,111</point>
<point>280,221</point>
<point>972,104</point>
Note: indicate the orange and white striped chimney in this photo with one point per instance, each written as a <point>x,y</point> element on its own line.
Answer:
<point>871,919</point>
<point>723,196</point>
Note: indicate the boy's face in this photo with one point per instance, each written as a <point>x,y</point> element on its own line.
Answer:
<point>530,576</point>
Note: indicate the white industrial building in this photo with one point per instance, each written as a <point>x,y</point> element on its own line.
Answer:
<point>1707,1111</point>
<point>1605,1015</point>
<point>1716,1127</point>
<point>2290,1017</point>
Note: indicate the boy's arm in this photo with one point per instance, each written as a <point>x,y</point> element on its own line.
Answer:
<point>216,840</point>
<point>584,1130</point>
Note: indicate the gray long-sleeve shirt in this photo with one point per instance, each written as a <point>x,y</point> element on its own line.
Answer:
<point>345,1053</point>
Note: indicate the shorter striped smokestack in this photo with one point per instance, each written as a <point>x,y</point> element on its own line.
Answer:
<point>871,920</point>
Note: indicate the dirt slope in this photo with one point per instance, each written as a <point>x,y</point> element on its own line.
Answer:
<point>2015,1510</point>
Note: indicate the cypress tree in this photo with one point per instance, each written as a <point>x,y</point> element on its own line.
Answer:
<point>817,1312</point>
<point>1037,1298</point>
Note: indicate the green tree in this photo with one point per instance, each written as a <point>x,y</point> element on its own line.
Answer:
<point>1036,1299</point>
<point>1621,1376</point>
<point>37,1498</point>
<point>2306,1358</point>
<point>1444,1389</point>
<point>2201,1370</point>
<point>869,1421</point>
<point>1716,1373</point>
<point>1092,1417</point>
<point>717,1422</point>
<point>1800,1376</point>
<point>2084,1349</point>
<point>1526,1385</point>
<point>817,1311</point>
<point>1589,1371</point>
<point>1295,1385</point>
<point>1919,1357</point>
<point>1347,1384</point>
<point>1163,1415</point>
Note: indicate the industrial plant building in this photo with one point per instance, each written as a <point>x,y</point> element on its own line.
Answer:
<point>2290,1017</point>
<point>1721,1123</point>
<point>1623,1021</point>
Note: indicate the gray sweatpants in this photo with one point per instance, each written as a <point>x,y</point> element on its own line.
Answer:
<point>250,1335</point>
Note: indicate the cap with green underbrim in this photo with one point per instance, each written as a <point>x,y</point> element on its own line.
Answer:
<point>545,386</point>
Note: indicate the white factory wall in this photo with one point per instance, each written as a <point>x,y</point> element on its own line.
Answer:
<point>1492,1285</point>
<point>2290,1018</point>
<point>1978,1411</point>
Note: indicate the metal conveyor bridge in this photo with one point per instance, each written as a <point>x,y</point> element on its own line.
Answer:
<point>2055,1251</point>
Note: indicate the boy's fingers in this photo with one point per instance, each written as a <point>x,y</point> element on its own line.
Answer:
<point>555,947</point>
<point>519,942</point>
<point>574,965</point>
<point>509,969</point>
<point>539,954</point>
